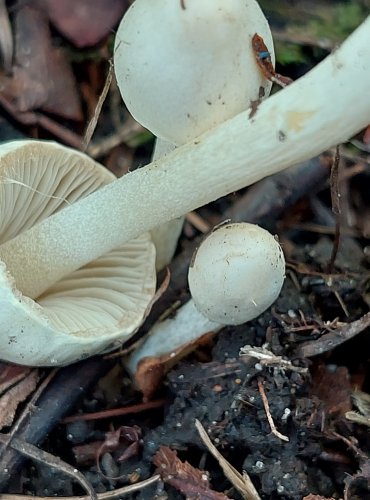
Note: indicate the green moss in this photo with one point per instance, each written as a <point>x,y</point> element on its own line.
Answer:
<point>338,22</point>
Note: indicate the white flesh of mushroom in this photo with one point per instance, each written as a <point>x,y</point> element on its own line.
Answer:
<point>235,275</point>
<point>321,109</point>
<point>94,307</point>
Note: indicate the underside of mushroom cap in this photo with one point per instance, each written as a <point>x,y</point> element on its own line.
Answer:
<point>93,308</point>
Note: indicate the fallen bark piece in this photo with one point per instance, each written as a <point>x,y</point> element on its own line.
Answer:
<point>190,481</point>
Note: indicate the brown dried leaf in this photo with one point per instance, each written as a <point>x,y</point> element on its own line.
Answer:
<point>151,370</point>
<point>184,477</point>
<point>85,22</point>
<point>333,388</point>
<point>11,374</point>
<point>42,77</point>
<point>17,394</point>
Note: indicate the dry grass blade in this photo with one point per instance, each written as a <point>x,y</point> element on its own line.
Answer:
<point>94,120</point>
<point>243,482</point>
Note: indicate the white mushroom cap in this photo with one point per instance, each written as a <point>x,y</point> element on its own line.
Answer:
<point>237,273</point>
<point>90,309</point>
<point>183,71</point>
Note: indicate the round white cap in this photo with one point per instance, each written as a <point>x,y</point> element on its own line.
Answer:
<point>183,71</point>
<point>236,273</point>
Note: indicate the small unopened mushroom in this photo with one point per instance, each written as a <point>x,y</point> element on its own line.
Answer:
<point>88,310</point>
<point>236,274</point>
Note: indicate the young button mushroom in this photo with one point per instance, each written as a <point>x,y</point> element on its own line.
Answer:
<point>88,310</point>
<point>210,73</point>
<point>236,274</point>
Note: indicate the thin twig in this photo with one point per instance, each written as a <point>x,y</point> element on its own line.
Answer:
<point>333,339</point>
<point>109,495</point>
<point>116,412</point>
<point>335,206</point>
<point>45,458</point>
<point>26,411</point>
<point>268,413</point>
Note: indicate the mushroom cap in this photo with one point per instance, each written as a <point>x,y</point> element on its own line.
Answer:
<point>236,273</point>
<point>95,307</point>
<point>183,71</point>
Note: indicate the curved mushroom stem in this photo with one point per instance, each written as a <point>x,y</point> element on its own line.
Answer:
<point>169,335</point>
<point>323,108</point>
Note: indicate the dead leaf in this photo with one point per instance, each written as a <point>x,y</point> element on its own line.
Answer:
<point>151,370</point>
<point>333,388</point>
<point>42,77</point>
<point>190,481</point>
<point>10,400</point>
<point>85,22</point>
<point>11,374</point>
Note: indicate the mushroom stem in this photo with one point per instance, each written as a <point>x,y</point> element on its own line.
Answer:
<point>323,108</point>
<point>171,334</point>
<point>166,235</point>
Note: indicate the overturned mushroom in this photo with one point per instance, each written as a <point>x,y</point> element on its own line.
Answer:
<point>235,275</point>
<point>88,310</point>
<point>295,124</point>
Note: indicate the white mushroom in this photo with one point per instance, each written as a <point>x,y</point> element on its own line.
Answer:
<point>321,109</point>
<point>88,310</point>
<point>235,275</point>
<point>182,71</point>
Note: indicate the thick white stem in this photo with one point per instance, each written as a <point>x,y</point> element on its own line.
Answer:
<point>166,235</point>
<point>169,335</point>
<point>325,107</point>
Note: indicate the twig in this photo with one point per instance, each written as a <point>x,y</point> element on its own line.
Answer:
<point>127,130</point>
<point>116,412</point>
<point>268,413</point>
<point>29,118</point>
<point>267,358</point>
<point>109,495</point>
<point>242,483</point>
<point>335,204</point>
<point>94,120</point>
<point>46,458</point>
<point>333,339</point>
<point>29,407</point>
